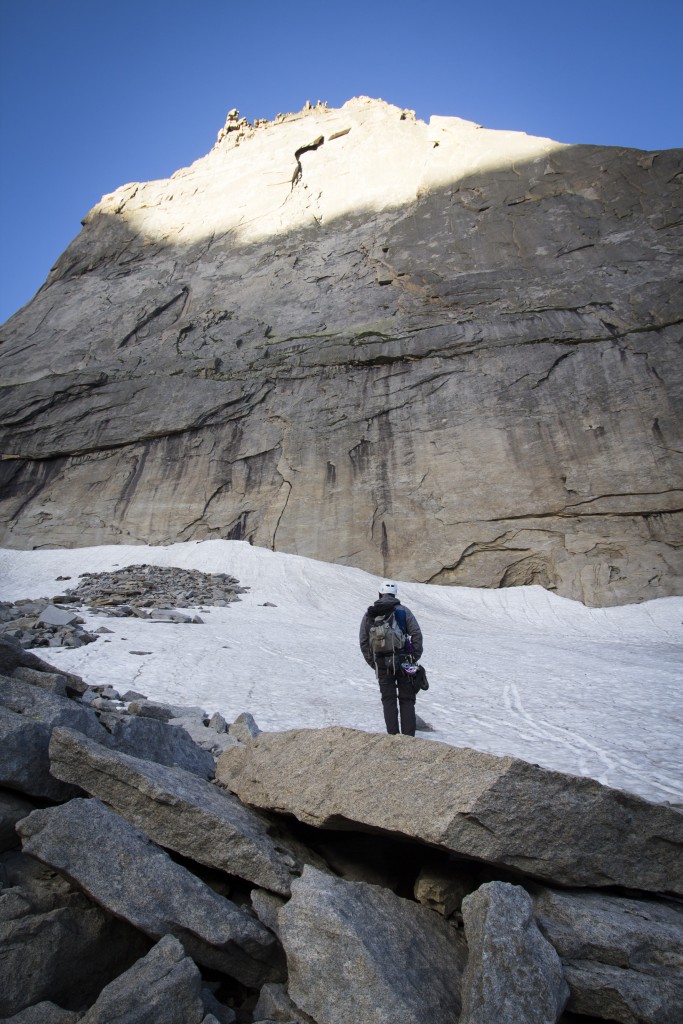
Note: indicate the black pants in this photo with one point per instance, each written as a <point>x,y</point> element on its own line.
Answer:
<point>397,695</point>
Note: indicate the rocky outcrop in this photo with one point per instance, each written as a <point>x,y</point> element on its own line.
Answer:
<point>42,624</point>
<point>434,351</point>
<point>135,589</point>
<point>143,591</point>
<point>147,892</point>
<point>565,829</point>
<point>30,713</point>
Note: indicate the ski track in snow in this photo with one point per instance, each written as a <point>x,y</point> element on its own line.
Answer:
<point>519,672</point>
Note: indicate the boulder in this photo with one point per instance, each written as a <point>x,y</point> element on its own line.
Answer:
<point>513,974</point>
<point>244,728</point>
<point>443,889</point>
<point>165,985</point>
<point>168,615</point>
<point>163,712</point>
<point>137,881</point>
<point>43,1013</point>
<point>53,616</point>
<point>51,709</point>
<point>266,905</point>
<point>203,736</point>
<point>55,943</point>
<point>218,723</point>
<point>55,682</point>
<point>13,655</point>
<point>275,1004</point>
<point>610,993</point>
<point>385,958</point>
<point>178,810</point>
<point>157,741</point>
<point>24,759</point>
<point>622,957</point>
<point>470,803</point>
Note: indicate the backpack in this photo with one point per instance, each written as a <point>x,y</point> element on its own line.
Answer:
<point>386,635</point>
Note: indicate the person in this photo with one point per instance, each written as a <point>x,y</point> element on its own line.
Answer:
<point>394,686</point>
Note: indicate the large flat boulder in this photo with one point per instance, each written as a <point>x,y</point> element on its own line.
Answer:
<point>123,871</point>
<point>177,809</point>
<point>556,827</point>
<point>357,952</point>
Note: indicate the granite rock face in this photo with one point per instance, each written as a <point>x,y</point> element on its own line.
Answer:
<point>464,372</point>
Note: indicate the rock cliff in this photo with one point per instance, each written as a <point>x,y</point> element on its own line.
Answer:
<point>436,351</point>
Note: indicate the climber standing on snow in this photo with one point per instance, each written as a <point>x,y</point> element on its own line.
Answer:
<point>389,634</point>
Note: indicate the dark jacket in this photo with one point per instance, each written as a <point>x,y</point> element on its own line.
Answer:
<point>384,606</point>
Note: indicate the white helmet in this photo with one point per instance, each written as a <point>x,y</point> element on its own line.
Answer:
<point>388,588</point>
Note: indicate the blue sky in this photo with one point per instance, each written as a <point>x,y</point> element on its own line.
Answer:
<point>96,95</point>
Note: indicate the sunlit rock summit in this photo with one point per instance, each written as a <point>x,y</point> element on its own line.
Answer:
<point>435,351</point>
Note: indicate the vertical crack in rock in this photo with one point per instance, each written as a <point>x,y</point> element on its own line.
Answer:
<point>285,483</point>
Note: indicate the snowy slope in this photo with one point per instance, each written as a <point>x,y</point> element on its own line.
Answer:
<point>520,671</point>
